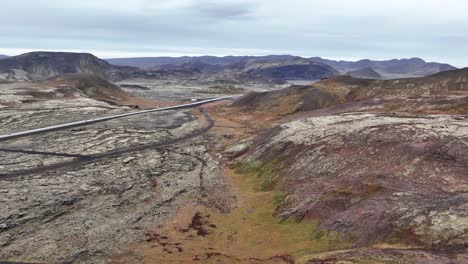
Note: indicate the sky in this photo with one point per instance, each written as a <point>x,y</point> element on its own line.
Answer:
<point>435,30</point>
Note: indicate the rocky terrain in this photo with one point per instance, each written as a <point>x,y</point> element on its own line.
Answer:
<point>344,170</point>
<point>369,161</point>
<point>390,190</point>
<point>83,194</point>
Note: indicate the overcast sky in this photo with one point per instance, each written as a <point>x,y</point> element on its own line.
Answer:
<point>436,30</point>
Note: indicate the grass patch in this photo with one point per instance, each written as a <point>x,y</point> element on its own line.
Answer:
<point>268,172</point>
<point>285,236</point>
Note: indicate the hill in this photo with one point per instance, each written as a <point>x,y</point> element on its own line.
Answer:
<point>3,56</point>
<point>444,91</point>
<point>365,73</point>
<point>43,65</point>
<point>291,69</point>
<point>90,85</point>
<point>448,82</point>
<point>372,162</point>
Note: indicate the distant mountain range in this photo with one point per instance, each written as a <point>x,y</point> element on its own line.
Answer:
<point>3,56</point>
<point>390,69</point>
<point>273,69</point>
<point>156,62</point>
<point>387,69</point>
<point>228,70</point>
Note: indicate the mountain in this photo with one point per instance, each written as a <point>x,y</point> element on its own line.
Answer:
<point>43,65</point>
<point>3,56</point>
<point>295,68</point>
<point>273,69</point>
<point>414,67</point>
<point>156,62</point>
<point>365,73</point>
<point>193,66</point>
<point>388,69</point>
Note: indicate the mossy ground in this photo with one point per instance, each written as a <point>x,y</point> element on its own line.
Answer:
<point>250,231</point>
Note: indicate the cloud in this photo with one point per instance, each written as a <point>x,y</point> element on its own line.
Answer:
<point>432,29</point>
<point>225,10</point>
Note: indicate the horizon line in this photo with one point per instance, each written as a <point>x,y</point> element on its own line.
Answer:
<point>139,55</point>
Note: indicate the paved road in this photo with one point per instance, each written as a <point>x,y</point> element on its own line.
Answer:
<point>82,160</point>
<point>103,119</point>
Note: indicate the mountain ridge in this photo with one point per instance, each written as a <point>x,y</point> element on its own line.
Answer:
<point>389,69</point>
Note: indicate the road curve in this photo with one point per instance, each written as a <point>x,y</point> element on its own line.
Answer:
<point>103,119</point>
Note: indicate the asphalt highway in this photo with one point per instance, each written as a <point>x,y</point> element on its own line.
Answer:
<point>42,130</point>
